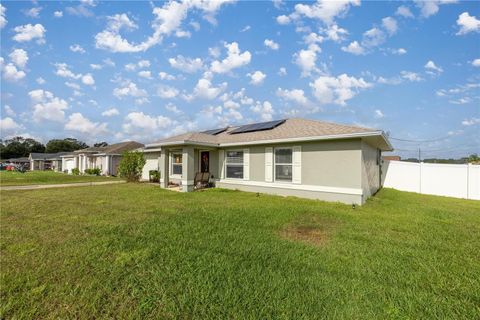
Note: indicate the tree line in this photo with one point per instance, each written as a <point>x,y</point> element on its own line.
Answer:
<point>18,147</point>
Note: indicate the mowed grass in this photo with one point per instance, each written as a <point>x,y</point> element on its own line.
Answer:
<point>14,178</point>
<point>136,251</point>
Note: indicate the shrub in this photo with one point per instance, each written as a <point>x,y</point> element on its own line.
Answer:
<point>93,171</point>
<point>154,175</point>
<point>131,166</point>
<point>75,171</point>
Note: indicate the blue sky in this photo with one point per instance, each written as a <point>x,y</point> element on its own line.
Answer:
<point>113,71</point>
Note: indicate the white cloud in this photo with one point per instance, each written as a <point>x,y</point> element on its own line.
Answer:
<point>214,52</point>
<point>411,76</point>
<point>271,44</point>
<point>9,111</point>
<point>467,23</point>
<point>58,14</point>
<point>47,106</point>
<point>335,33</point>
<point>173,108</point>
<point>167,92</point>
<point>306,59</point>
<point>168,20</point>
<point>378,114</point>
<point>11,73</point>
<point>19,57</point>
<point>354,48</point>
<point>246,28</point>
<point>188,65</point>
<point>9,125</point>
<point>145,74</point>
<point>282,71</point>
<point>73,85</point>
<point>283,19</point>
<point>77,122</point>
<point>476,63</point>
<point>136,121</point>
<point>143,63</point>
<point>464,100</point>
<point>29,32</point>
<point>265,110</point>
<point>127,89</point>
<point>33,12</point>
<point>205,90</point>
<point>337,90</point>
<point>83,9</point>
<point>390,24</point>
<point>295,95</point>
<point>404,11</point>
<point>77,48</point>
<point>110,112</point>
<point>313,38</point>
<point>165,76</point>
<point>3,20</point>
<point>471,122</point>
<point>96,66</point>
<point>234,59</point>
<point>373,37</point>
<point>257,77</point>
<point>88,80</point>
<point>64,71</point>
<point>399,51</point>
<point>432,68</point>
<point>429,8</point>
<point>40,80</point>
<point>325,10</point>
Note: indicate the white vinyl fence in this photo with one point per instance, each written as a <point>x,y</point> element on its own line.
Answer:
<point>452,180</point>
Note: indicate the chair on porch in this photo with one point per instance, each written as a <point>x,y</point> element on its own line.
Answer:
<point>202,180</point>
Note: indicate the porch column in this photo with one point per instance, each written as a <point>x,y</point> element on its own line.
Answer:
<point>63,164</point>
<point>188,169</point>
<point>107,165</point>
<point>164,167</point>
<point>84,162</point>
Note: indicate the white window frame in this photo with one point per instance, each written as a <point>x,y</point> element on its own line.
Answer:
<point>172,175</point>
<point>235,164</point>
<point>275,165</point>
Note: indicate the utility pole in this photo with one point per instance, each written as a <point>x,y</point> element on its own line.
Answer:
<point>419,155</point>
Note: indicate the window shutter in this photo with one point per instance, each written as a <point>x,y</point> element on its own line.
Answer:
<point>221,162</point>
<point>297,165</point>
<point>246,164</point>
<point>269,164</point>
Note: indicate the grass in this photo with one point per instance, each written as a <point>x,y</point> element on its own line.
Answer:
<point>136,251</point>
<point>13,178</point>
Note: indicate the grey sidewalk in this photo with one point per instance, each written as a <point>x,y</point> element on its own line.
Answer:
<point>62,185</point>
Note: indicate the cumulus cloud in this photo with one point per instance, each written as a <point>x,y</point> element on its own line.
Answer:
<point>337,90</point>
<point>295,95</point>
<point>411,76</point>
<point>8,125</point>
<point>467,24</point>
<point>265,110</point>
<point>33,12</point>
<point>88,80</point>
<point>282,71</point>
<point>47,106</point>
<point>471,122</point>
<point>40,80</point>
<point>476,63</point>
<point>145,74</point>
<point>324,10</point>
<point>138,121</point>
<point>432,69</point>
<point>378,114</point>
<point>335,33</point>
<point>167,92</point>
<point>188,65</point>
<point>271,44</point>
<point>64,71</point>
<point>204,89</point>
<point>306,59</point>
<point>404,11</point>
<point>235,59</point>
<point>29,32</point>
<point>83,9</point>
<point>354,48</point>
<point>77,122</point>
<point>390,24</point>
<point>9,111</point>
<point>11,73</point>
<point>3,19</point>
<point>168,20</point>
<point>399,51</point>
<point>19,57</point>
<point>257,77</point>
<point>58,14</point>
<point>77,48</point>
<point>430,8</point>
<point>165,76</point>
<point>110,112</point>
<point>129,89</point>
<point>283,19</point>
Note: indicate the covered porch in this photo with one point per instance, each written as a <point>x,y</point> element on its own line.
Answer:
<point>180,165</point>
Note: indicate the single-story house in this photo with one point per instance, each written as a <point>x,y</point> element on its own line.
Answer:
<point>46,161</point>
<point>292,157</point>
<point>23,161</point>
<point>106,158</point>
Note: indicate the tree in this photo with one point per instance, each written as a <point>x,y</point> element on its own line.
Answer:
<point>131,166</point>
<point>20,147</point>
<point>100,144</point>
<point>474,158</point>
<point>65,145</point>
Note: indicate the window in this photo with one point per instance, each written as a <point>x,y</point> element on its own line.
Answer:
<point>176,163</point>
<point>234,164</point>
<point>283,164</point>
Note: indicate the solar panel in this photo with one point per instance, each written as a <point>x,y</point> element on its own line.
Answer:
<point>258,126</point>
<point>214,132</point>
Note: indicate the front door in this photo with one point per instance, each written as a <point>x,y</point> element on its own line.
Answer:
<point>204,161</point>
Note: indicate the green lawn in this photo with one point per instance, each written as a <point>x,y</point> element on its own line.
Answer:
<point>13,178</point>
<point>136,251</point>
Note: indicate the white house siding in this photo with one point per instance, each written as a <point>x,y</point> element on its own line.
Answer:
<point>370,170</point>
<point>150,164</point>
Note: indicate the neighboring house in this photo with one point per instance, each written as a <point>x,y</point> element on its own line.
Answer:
<point>293,157</point>
<point>391,158</point>
<point>106,158</point>
<point>24,161</point>
<point>46,161</point>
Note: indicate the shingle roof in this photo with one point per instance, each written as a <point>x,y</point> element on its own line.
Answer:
<point>292,129</point>
<point>46,156</point>
<point>116,148</point>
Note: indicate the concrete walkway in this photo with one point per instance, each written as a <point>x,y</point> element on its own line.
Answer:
<point>63,185</point>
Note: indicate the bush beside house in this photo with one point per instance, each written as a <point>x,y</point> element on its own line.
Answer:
<point>131,166</point>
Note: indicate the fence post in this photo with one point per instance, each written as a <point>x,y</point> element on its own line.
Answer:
<point>420,186</point>
<point>468,180</point>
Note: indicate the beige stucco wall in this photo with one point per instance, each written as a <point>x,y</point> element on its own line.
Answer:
<point>151,163</point>
<point>370,170</point>
<point>115,163</point>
